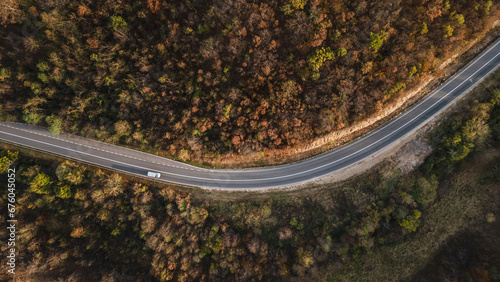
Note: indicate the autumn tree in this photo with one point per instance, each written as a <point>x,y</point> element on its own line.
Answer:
<point>411,222</point>
<point>7,158</point>
<point>425,190</point>
<point>41,184</point>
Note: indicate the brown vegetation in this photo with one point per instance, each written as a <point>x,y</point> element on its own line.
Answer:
<point>88,225</point>
<point>203,79</point>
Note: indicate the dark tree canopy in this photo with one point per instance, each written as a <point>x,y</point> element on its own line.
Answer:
<point>192,77</point>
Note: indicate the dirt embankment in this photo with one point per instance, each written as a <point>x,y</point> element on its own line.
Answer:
<point>409,152</point>
<point>343,136</point>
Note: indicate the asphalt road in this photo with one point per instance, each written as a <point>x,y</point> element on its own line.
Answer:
<point>139,163</point>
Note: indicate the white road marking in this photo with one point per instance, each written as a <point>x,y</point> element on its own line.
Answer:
<point>90,147</point>
<point>302,172</point>
<point>400,116</point>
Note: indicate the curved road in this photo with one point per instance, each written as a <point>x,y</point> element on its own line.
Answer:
<point>139,163</point>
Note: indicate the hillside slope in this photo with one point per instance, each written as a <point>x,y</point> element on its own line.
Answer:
<point>200,79</point>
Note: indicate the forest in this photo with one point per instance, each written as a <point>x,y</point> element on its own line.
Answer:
<point>197,80</point>
<point>85,224</point>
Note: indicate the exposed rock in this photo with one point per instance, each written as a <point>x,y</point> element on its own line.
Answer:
<point>412,155</point>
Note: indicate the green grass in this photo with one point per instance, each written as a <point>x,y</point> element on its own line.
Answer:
<point>464,206</point>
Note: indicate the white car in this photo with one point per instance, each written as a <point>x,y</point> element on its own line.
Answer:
<point>154,174</point>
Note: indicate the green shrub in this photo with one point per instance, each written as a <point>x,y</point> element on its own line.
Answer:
<point>377,39</point>
<point>55,124</point>
<point>475,131</point>
<point>447,5</point>
<point>487,6</point>
<point>6,160</point>
<point>43,77</point>
<point>319,57</point>
<point>64,192</point>
<point>411,223</point>
<point>118,22</point>
<point>305,258</point>
<point>341,52</point>
<point>448,31</point>
<point>41,184</point>
<point>458,17</point>
<point>413,70</point>
<point>33,118</point>
<point>425,190</point>
<point>424,28</point>
<point>5,73</point>
<point>292,5</point>
<point>43,66</point>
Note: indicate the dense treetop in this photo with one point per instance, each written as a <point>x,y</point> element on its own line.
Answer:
<point>82,224</point>
<point>188,77</point>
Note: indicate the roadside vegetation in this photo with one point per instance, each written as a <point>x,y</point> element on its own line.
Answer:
<point>89,225</point>
<point>203,80</point>
<point>456,237</point>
